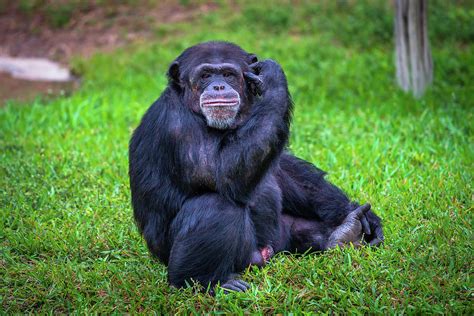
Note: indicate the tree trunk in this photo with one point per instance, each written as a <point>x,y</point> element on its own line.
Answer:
<point>413,55</point>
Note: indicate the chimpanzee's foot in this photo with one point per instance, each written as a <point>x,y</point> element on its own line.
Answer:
<point>235,285</point>
<point>350,230</point>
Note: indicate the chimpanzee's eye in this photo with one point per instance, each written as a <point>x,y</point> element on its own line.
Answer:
<point>228,74</point>
<point>205,76</point>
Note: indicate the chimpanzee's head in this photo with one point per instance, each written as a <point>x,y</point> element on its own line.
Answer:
<point>211,78</point>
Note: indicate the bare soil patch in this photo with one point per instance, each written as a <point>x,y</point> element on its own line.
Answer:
<point>25,90</point>
<point>86,28</point>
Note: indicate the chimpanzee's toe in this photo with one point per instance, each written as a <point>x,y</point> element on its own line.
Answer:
<point>235,285</point>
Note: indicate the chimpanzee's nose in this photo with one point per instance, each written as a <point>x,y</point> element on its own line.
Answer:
<point>218,87</point>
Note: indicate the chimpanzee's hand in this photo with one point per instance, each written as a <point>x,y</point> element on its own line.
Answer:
<point>266,76</point>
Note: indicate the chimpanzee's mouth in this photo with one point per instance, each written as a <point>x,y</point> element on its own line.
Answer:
<point>220,102</point>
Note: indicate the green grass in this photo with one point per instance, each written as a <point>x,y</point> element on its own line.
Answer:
<point>68,242</point>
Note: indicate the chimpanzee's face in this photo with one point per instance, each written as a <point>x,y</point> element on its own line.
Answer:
<point>213,79</point>
<point>220,88</point>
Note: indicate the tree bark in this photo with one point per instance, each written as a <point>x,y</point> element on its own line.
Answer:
<point>413,55</point>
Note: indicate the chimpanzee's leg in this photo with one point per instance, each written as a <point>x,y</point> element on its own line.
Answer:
<point>306,194</point>
<point>212,240</point>
<point>306,234</point>
<point>265,212</point>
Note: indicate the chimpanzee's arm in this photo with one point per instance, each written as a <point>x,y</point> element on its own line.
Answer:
<point>245,155</point>
<point>155,199</point>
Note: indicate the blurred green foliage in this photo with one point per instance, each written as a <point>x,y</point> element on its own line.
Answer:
<point>451,20</point>
<point>370,21</point>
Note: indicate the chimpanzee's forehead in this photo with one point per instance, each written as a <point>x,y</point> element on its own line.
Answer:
<point>219,60</point>
<point>213,53</point>
<point>217,57</point>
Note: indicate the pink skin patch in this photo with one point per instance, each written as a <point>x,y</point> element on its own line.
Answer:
<point>267,253</point>
<point>262,256</point>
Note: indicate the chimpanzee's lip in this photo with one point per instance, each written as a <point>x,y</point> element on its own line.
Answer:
<point>220,102</point>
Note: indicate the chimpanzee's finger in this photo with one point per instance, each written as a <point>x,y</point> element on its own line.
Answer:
<point>236,285</point>
<point>375,242</point>
<point>256,67</point>
<point>360,213</point>
<point>361,210</point>
<point>379,233</point>
<point>379,238</point>
<point>256,83</point>
<point>250,76</point>
<point>365,225</point>
<point>231,287</point>
<point>244,286</point>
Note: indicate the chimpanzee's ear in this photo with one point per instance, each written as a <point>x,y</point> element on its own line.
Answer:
<point>173,74</point>
<point>251,59</point>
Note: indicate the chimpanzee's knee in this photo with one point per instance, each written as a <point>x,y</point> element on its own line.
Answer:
<point>212,239</point>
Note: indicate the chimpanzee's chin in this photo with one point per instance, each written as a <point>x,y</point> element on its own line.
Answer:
<point>221,117</point>
<point>220,123</point>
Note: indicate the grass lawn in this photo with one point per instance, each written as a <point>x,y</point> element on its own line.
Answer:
<point>67,238</point>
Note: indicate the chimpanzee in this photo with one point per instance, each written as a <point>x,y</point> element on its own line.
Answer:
<point>214,188</point>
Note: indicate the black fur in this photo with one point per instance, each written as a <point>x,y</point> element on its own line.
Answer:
<point>205,199</point>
